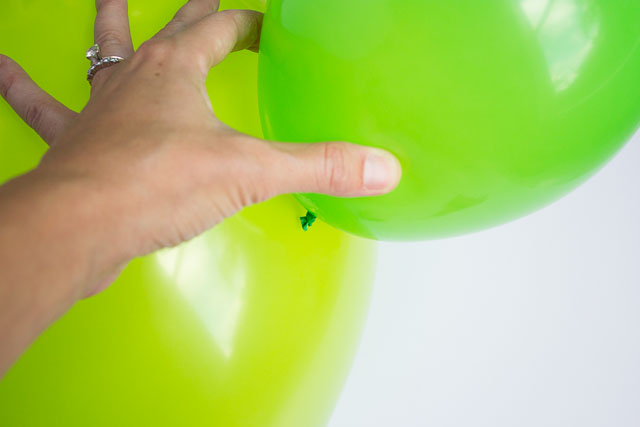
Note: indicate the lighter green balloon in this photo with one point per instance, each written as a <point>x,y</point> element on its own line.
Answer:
<point>255,323</point>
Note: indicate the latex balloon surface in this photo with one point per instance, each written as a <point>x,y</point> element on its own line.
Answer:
<point>255,323</point>
<point>494,108</point>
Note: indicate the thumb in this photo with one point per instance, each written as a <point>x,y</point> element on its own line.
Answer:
<point>337,169</point>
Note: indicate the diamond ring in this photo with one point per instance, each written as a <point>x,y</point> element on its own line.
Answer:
<point>98,62</point>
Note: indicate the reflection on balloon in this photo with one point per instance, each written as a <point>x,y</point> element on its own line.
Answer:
<point>493,108</point>
<point>254,323</point>
<point>566,40</point>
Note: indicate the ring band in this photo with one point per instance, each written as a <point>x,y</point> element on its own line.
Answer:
<point>98,62</point>
<point>105,62</point>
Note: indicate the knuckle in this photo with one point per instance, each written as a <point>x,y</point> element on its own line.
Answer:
<point>213,6</point>
<point>156,51</point>
<point>110,38</point>
<point>228,29</point>
<point>175,25</point>
<point>8,77</point>
<point>6,83</point>
<point>239,20</point>
<point>33,116</point>
<point>334,174</point>
<point>249,193</point>
<point>256,182</point>
<point>231,14</point>
<point>210,6</point>
<point>233,18</point>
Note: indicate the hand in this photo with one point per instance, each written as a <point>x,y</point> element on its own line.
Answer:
<point>161,168</point>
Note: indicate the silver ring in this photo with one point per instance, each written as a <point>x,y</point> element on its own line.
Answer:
<point>98,62</point>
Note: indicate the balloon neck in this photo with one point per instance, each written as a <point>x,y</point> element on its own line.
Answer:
<point>307,220</point>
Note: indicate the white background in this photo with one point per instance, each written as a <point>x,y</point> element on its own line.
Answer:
<point>535,323</point>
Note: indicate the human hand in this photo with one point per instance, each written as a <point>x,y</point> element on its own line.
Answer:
<point>161,168</point>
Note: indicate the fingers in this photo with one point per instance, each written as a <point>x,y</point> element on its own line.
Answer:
<point>36,107</point>
<point>111,28</point>
<point>112,34</point>
<point>191,12</point>
<point>334,168</point>
<point>338,169</point>
<point>212,38</point>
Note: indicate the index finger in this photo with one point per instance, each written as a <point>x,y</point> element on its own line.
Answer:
<point>37,108</point>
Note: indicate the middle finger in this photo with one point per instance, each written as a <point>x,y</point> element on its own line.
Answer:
<point>191,12</point>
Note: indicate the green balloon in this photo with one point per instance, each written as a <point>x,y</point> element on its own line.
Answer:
<point>494,108</point>
<point>255,323</point>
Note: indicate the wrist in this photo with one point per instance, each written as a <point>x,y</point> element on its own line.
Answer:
<point>68,225</point>
<point>57,244</point>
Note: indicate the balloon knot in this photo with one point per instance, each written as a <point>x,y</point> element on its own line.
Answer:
<point>307,220</point>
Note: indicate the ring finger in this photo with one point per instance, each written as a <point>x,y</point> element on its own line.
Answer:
<point>111,31</point>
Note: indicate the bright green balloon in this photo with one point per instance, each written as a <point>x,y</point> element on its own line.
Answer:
<point>255,323</point>
<point>494,108</point>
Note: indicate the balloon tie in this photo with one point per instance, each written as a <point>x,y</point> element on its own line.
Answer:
<point>307,220</point>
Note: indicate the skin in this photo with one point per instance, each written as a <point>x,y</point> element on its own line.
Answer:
<point>145,165</point>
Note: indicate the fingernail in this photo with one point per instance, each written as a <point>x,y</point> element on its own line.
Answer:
<point>381,170</point>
